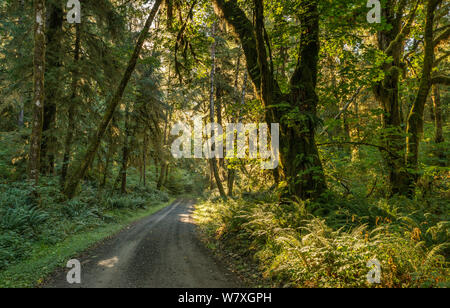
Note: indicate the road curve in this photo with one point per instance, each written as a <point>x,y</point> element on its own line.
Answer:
<point>160,251</point>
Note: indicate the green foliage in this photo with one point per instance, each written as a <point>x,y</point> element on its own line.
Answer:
<point>27,220</point>
<point>296,249</point>
<point>13,151</point>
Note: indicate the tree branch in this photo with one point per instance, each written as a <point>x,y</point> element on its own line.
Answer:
<point>440,79</point>
<point>242,27</point>
<point>443,36</point>
<point>404,32</point>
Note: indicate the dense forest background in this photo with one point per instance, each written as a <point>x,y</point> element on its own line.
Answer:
<point>87,109</point>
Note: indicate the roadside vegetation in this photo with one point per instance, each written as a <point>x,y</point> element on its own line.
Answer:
<point>40,229</point>
<point>315,245</point>
<point>88,115</point>
<point>39,234</point>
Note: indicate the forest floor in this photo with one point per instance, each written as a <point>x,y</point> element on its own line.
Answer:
<point>161,250</point>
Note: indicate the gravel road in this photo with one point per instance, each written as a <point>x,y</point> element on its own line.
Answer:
<point>159,251</point>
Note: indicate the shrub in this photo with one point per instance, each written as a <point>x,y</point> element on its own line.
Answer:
<point>296,249</point>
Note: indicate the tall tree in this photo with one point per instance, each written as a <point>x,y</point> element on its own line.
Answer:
<point>295,110</point>
<point>54,55</point>
<point>72,107</point>
<point>414,128</point>
<point>213,162</point>
<point>125,151</point>
<point>390,41</point>
<point>38,90</point>
<point>72,184</point>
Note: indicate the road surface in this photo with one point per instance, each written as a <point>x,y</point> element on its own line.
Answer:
<point>160,251</point>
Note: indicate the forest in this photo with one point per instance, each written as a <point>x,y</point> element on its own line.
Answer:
<point>354,92</point>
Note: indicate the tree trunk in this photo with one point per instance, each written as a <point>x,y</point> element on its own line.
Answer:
<point>144,161</point>
<point>162,175</point>
<point>219,95</point>
<point>54,35</point>
<point>125,152</point>
<point>107,163</point>
<point>414,127</point>
<point>438,120</point>
<point>300,163</point>
<point>214,167</point>
<point>232,171</point>
<point>386,93</point>
<point>72,107</point>
<point>38,90</point>
<point>75,179</point>
<point>20,120</point>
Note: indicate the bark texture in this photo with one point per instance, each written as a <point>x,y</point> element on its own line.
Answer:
<point>38,90</point>
<point>214,167</point>
<point>387,94</point>
<point>54,35</point>
<point>415,119</point>
<point>72,107</point>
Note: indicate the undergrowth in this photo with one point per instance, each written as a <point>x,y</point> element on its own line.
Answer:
<point>306,244</point>
<point>40,216</point>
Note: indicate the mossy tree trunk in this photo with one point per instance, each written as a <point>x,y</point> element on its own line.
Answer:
<point>125,151</point>
<point>438,120</point>
<point>232,171</point>
<point>72,107</point>
<point>38,90</point>
<point>144,161</point>
<point>415,119</point>
<point>77,176</point>
<point>301,167</point>
<point>54,55</point>
<point>390,41</point>
<point>214,167</point>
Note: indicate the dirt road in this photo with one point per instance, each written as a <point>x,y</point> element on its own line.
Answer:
<point>160,251</point>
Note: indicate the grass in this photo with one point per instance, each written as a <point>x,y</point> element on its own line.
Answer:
<point>44,260</point>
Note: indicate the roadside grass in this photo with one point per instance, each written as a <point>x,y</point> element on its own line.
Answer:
<point>45,259</point>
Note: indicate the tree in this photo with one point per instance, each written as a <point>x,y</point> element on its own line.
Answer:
<point>72,107</point>
<point>213,162</point>
<point>54,55</point>
<point>295,110</point>
<point>38,90</point>
<point>72,184</point>
<point>414,128</point>
<point>390,41</point>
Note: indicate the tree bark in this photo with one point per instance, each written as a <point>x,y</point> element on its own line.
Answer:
<point>162,175</point>
<point>125,152</point>
<point>214,167</point>
<point>438,120</point>
<point>219,96</point>
<point>232,171</point>
<point>54,35</point>
<point>301,167</point>
<point>79,173</point>
<point>386,93</point>
<point>72,108</point>
<point>414,127</point>
<point>144,161</point>
<point>107,163</point>
<point>38,90</point>
<point>20,120</point>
